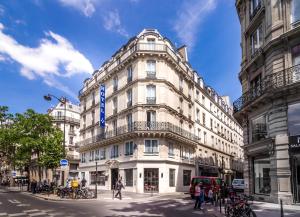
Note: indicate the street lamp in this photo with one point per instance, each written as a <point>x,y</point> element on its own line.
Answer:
<point>62,100</point>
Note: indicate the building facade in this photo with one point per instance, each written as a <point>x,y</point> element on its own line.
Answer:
<point>71,116</point>
<point>151,138</point>
<point>269,107</point>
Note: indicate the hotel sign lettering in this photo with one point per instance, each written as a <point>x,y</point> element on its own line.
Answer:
<point>102,106</point>
<point>294,143</point>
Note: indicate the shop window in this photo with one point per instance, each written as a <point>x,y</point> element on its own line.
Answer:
<point>262,181</point>
<point>259,128</point>
<point>128,177</point>
<point>100,178</point>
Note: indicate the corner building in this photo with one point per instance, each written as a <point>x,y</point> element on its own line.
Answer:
<point>149,139</point>
<point>269,108</point>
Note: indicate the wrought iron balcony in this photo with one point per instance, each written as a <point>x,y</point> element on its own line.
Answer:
<point>68,119</point>
<point>151,100</point>
<point>255,10</point>
<point>138,126</point>
<point>269,84</point>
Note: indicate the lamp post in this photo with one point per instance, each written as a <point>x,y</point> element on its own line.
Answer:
<point>62,100</point>
<point>96,193</point>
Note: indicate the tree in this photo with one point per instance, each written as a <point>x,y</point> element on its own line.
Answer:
<point>40,139</point>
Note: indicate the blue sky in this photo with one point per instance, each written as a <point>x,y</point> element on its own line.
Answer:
<point>51,46</point>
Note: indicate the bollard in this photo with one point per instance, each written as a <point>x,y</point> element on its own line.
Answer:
<point>113,192</point>
<point>281,208</point>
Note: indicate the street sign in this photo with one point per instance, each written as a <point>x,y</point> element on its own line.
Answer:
<point>294,143</point>
<point>64,162</point>
<point>13,173</point>
<point>102,106</point>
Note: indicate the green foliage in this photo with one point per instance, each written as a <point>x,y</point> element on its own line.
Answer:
<point>30,134</point>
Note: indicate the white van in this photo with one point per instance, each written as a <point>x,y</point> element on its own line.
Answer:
<point>238,184</point>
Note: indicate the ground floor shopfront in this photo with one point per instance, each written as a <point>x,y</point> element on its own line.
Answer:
<point>140,176</point>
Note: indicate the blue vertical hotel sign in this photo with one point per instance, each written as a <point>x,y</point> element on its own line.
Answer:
<point>102,106</point>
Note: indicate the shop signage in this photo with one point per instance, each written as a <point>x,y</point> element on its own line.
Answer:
<point>294,143</point>
<point>102,106</point>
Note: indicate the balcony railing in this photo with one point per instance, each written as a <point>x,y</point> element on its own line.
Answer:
<point>68,119</point>
<point>151,100</point>
<point>255,10</point>
<point>268,84</point>
<point>141,126</point>
<point>151,74</point>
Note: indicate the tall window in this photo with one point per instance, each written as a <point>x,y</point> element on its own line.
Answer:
<point>197,115</point>
<point>129,74</point>
<point>59,114</point>
<point>129,121</point>
<point>203,100</point>
<point>92,155</point>
<point>128,177</point>
<point>151,146</point>
<point>203,119</point>
<point>151,43</point>
<point>114,152</point>
<point>115,105</point>
<point>93,98</point>
<point>151,119</point>
<point>172,177</point>
<point>186,177</point>
<point>129,97</point>
<point>255,4</point>
<point>97,154</point>
<point>71,140</point>
<point>259,128</point>
<point>295,13</point>
<point>204,137</point>
<point>151,94</point>
<point>129,148</point>
<point>171,150</point>
<point>115,83</point>
<point>181,83</point>
<point>115,127</point>
<point>256,39</point>
<point>102,154</point>
<point>211,124</point>
<point>151,68</point>
<point>93,117</point>
<point>83,159</point>
<point>296,55</point>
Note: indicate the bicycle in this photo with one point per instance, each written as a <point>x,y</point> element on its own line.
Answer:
<point>239,207</point>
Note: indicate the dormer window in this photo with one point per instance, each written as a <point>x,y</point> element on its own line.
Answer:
<point>151,42</point>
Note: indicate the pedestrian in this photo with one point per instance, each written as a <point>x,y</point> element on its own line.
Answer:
<point>83,182</point>
<point>197,196</point>
<point>202,194</point>
<point>119,186</point>
<point>210,196</point>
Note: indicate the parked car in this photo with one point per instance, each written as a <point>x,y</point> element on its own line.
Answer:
<point>238,184</point>
<point>213,183</point>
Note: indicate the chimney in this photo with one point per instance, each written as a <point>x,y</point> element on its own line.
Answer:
<point>183,52</point>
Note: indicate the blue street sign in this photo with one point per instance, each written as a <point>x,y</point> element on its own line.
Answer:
<point>102,106</point>
<point>64,162</point>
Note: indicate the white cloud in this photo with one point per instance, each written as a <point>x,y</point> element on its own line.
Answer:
<point>190,16</point>
<point>87,7</point>
<point>112,23</point>
<point>54,58</point>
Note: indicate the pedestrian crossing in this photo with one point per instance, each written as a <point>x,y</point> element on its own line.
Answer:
<point>34,213</point>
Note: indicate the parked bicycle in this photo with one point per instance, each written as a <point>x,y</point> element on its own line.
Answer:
<point>239,207</point>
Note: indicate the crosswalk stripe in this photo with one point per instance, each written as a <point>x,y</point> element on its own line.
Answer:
<point>14,201</point>
<point>17,214</point>
<point>3,214</point>
<point>0,203</point>
<point>37,214</point>
<point>31,210</point>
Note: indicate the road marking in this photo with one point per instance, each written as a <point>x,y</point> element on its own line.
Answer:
<point>14,201</point>
<point>0,203</point>
<point>23,205</point>
<point>17,214</point>
<point>31,210</point>
<point>3,214</point>
<point>123,198</point>
<point>37,214</point>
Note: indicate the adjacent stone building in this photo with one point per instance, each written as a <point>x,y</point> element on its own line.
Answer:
<point>163,124</point>
<point>269,108</point>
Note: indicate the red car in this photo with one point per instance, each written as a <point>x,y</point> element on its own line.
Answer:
<point>213,183</point>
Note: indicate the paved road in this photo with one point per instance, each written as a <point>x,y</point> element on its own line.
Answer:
<point>19,204</point>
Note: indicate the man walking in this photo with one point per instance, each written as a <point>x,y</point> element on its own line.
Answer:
<point>119,186</point>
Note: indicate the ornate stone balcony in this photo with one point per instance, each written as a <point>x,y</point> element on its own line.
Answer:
<point>271,83</point>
